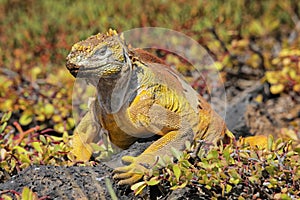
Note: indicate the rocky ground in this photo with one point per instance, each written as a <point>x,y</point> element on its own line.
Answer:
<point>252,110</point>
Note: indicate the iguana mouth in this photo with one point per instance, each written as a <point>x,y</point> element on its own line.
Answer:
<point>115,65</point>
<point>109,69</point>
<point>74,72</point>
<point>73,69</point>
<point>106,71</point>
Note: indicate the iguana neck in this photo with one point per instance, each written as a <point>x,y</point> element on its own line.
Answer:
<point>140,76</point>
<point>105,87</point>
<point>113,91</point>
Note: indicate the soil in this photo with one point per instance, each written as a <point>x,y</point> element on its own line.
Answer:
<point>246,115</point>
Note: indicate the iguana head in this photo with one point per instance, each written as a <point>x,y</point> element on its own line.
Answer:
<point>103,60</point>
<point>99,56</point>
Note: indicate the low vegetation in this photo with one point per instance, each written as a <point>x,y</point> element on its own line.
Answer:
<point>36,89</point>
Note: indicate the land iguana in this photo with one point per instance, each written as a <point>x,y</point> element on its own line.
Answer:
<point>138,95</point>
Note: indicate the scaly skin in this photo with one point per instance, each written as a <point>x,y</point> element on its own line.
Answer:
<point>151,99</point>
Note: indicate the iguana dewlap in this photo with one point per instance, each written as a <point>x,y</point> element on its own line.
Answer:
<point>138,95</point>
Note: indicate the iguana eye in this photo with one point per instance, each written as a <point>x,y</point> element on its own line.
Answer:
<point>101,52</point>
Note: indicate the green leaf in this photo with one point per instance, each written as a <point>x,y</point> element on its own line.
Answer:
<point>228,188</point>
<point>43,139</point>
<point>65,137</point>
<point>49,109</point>
<point>188,144</point>
<point>161,162</point>
<point>297,149</point>
<point>223,188</point>
<point>6,117</point>
<point>27,194</point>
<point>270,142</point>
<point>291,153</point>
<point>276,89</point>
<point>57,148</point>
<point>26,118</point>
<point>271,77</point>
<point>184,184</point>
<point>3,126</point>
<point>176,153</point>
<point>175,187</point>
<point>35,72</point>
<point>208,187</point>
<point>37,146</point>
<point>253,179</point>
<point>226,154</point>
<point>177,172</point>
<point>234,181</point>
<point>185,163</point>
<point>153,181</point>
<point>285,197</point>
<point>256,27</point>
<point>138,187</point>
<point>270,169</point>
<point>233,173</point>
<point>25,158</point>
<point>213,154</point>
<point>110,189</point>
<point>97,147</point>
<point>204,164</point>
<point>6,197</point>
<point>20,149</point>
<point>241,198</point>
<point>273,182</point>
<point>219,66</point>
<point>13,165</point>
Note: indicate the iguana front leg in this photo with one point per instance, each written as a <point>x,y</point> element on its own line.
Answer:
<point>141,164</point>
<point>157,119</point>
<point>87,132</point>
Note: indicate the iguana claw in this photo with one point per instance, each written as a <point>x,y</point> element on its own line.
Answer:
<point>131,173</point>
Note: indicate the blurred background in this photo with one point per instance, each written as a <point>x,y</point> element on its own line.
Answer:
<point>253,40</point>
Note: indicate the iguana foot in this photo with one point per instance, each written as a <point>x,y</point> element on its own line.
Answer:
<point>133,172</point>
<point>81,150</point>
